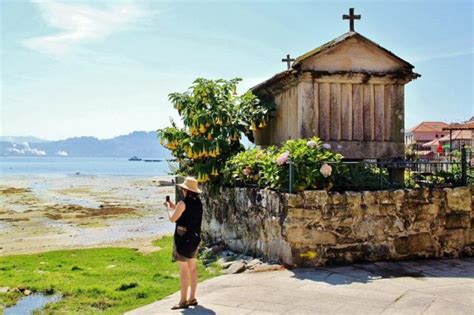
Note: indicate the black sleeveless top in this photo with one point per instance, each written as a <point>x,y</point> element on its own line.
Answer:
<point>191,218</point>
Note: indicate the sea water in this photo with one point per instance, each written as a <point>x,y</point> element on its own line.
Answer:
<point>80,166</point>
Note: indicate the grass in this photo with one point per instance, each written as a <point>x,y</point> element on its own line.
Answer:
<point>100,280</point>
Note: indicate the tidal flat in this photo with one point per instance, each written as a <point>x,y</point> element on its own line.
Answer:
<point>43,213</point>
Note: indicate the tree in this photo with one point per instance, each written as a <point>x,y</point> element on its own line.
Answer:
<point>214,118</point>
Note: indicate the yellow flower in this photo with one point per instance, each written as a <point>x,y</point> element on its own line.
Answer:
<point>209,137</point>
<point>262,125</point>
<point>202,129</point>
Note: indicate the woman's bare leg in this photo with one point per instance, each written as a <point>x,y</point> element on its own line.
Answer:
<point>184,274</point>
<point>194,275</point>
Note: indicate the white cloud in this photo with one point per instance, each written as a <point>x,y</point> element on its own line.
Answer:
<point>79,24</point>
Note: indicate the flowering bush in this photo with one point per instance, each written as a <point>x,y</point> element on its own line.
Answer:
<point>214,118</point>
<point>270,167</point>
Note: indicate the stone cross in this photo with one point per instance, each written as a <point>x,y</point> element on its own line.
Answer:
<point>288,61</point>
<point>351,17</point>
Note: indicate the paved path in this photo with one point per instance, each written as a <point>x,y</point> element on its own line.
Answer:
<point>415,287</point>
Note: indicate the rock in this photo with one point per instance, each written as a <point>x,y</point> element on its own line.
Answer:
<point>226,264</point>
<point>254,262</point>
<point>226,253</point>
<point>303,235</point>
<point>215,249</point>
<point>315,198</point>
<point>294,201</point>
<point>457,221</point>
<point>236,267</point>
<point>27,292</point>
<point>237,245</point>
<point>228,232</point>
<point>459,198</point>
<point>267,267</point>
<point>420,242</point>
<point>4,289</point>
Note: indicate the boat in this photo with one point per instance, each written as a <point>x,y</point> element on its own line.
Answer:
<point>134,158</point>
<point>152,160</point>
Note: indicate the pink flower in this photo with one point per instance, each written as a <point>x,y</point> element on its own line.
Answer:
<point>327,146</point>
<point>326,170</point>
<point>283,158</point>
<point>312,144</point>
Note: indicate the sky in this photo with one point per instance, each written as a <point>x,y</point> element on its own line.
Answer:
<point>105,68</point>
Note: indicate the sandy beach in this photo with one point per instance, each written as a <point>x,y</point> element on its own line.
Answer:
<point>43,213</point>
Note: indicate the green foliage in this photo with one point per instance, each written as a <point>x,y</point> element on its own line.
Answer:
<point>269,167</point>
<point>441,178</point>
<point>361,176</point>
<point>214,118</point>
<point>99,280</point>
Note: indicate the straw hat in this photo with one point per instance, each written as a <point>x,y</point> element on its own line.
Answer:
<point>191,184</point>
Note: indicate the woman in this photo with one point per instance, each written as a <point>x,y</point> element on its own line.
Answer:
<point>188,216</point>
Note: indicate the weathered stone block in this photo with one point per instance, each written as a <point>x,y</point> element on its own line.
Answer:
<point>432,209</point>
<point>315,199</point>
<point>401,245</point>
<point>337,198</point>
<point>354,205</point>
<point>294,200</point>
<point>341,228</point>
<point>310,236</point>
<point>418,196</point>
<point>387,209</point>
<point>398,196</point>
<point>384,197</point>
<point>302,213</point>
<point>371,202</point>
<point>459,198</point>
<point>370,197</point>
<point>375,251</point>
<point>457,221</point>
<point>420,243</point>
<point>453,241</point>
<point>470,240</point>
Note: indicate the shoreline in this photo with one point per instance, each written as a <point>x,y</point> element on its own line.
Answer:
<point>42,212</point>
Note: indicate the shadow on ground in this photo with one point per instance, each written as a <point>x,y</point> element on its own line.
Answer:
<point>365,273</point>
<point>198,309</point>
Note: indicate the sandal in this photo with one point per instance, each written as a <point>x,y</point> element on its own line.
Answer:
<point>180,305</point>
<point>192,302</point>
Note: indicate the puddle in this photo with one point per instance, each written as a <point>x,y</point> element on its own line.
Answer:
<point>31,303</point>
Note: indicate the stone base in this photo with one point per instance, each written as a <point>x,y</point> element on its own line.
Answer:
<point>315,228</point>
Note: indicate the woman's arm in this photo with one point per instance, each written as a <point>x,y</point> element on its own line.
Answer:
<point>175,212</point>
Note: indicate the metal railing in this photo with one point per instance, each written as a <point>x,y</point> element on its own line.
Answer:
<point>378,175</point>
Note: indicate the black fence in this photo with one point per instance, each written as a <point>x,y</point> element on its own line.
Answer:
<point>377,175</point>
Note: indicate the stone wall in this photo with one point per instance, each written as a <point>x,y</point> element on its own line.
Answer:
<point>316,228</point>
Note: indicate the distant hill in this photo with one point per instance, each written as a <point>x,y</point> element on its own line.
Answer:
<point>140,143</point>
<point>22,139</point>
